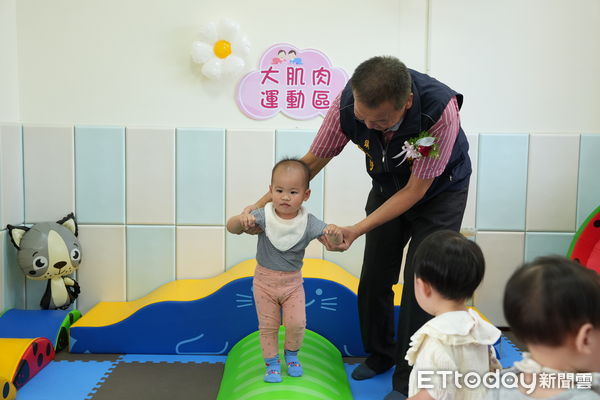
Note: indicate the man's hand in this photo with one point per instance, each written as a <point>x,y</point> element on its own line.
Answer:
<point>333,234</point>
<point>349,234</point>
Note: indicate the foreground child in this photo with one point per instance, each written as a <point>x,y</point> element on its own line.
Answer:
<point>448,269</point>
<point>287,230</point>
<point>553,305</point>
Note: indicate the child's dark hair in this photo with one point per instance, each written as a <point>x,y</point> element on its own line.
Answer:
<point>550,298</point>
<point>293,161</point>
<point>452,264</point>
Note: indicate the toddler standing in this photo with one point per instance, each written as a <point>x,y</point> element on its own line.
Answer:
<point>278,291</point>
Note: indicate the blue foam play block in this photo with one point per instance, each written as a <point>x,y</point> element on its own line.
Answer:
<point>213,324</point>
<point>210,325</point>
<point>507,352</point>
<point>27,324</point>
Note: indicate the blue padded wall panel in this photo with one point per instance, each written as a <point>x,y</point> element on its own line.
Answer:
<point>502,182</point>
<point>150,259</point>
<point>100,175</point>
<point>546,243</point>
<point>588,190</point>
<point>201,176</point>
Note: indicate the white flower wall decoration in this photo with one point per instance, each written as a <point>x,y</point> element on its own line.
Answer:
<point>221,50</point>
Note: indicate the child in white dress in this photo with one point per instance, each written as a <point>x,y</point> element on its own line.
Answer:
<point>552,304</point>
<point>448,269</point>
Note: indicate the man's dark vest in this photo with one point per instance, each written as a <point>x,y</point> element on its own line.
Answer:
<point>430,98</point>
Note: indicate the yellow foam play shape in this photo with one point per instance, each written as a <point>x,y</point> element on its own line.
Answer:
<point>108,313</point>
<point>7,389</point>
<point>12,350</point>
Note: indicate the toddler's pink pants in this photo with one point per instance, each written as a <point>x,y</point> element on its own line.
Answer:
<point>277,293</point>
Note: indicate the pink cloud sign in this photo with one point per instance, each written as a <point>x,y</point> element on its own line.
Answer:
<point>300,83</point>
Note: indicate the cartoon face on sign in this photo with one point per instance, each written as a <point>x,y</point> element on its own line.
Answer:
<point>281,57</point>
<point>299,83</point>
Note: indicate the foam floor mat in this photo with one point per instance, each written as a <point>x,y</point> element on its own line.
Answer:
<point>171,377</point>
<point>160,381</point>
<point>68,380</point>
<point>152,376</point>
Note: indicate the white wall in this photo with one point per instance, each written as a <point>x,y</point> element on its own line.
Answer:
<point>523,66</point>
<point>9,82</point>
<point>128,62</point>
<point>9,113</point>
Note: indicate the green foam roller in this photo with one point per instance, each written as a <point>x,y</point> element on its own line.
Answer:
<point>62,341</point>
<point>324,374</point>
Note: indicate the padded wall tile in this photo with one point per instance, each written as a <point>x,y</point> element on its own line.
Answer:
<point>239,248</point>
<point>11,175</point>
<point>351,260</point>
<point>470,210</point>
<point>150,259</point>
<point>102,272</point>
<point>49,172</point>
<point>588,189</point>
<point>12,280</point>
<point>100,174</point>
<point>314,250</point>
<point>552,182</point>
<point>502,182</point>
<point>200,251</point>
<point>295,144</point>
<point>150,176</point>
<point>503,252</point>
<point>250,155</point>
<point>249,160</point>
<point>347,186</point>
<point>200,176</point>
<point>546,243</point>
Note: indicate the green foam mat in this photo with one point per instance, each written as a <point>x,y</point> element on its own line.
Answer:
<point>324,373</point>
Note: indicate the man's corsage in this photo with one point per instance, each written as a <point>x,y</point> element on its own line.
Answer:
<point>418,147</point>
